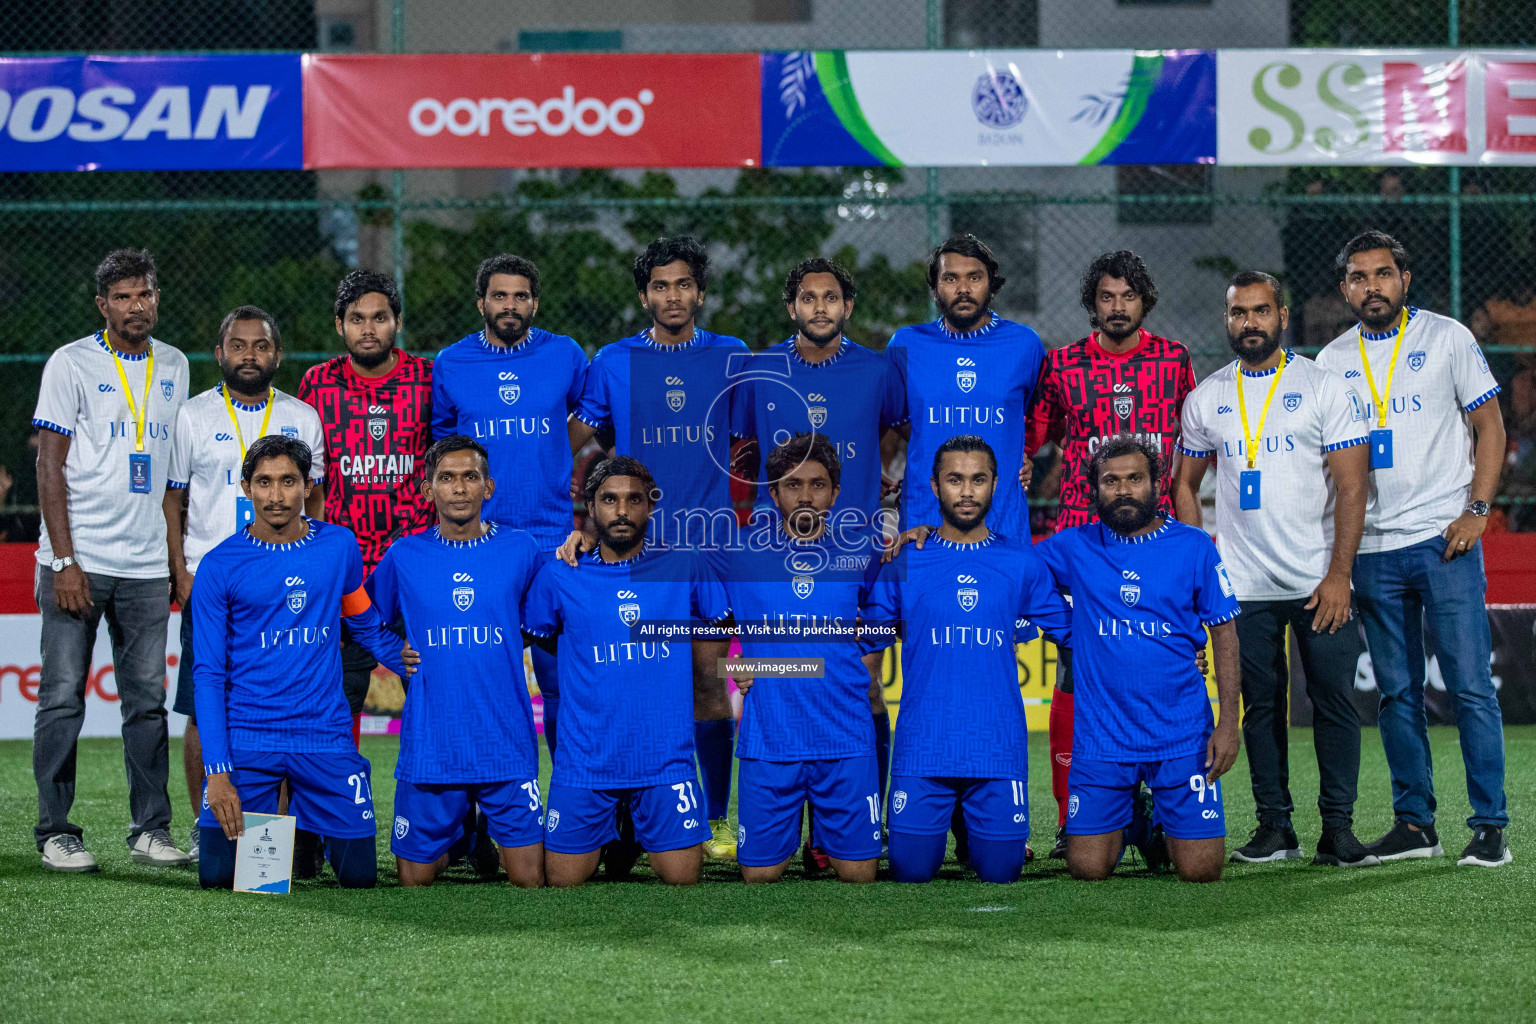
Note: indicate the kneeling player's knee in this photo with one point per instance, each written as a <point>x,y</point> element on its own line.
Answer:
<point>758,875</point>
<point>916,858</point>
<point>857,872</point>
<point>355,861</point>
<point>1201,871</point>
<point>1000,861</point>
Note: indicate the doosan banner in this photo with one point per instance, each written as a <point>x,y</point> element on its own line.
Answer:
<point>150,113</point>
<point>1376,107</point>
<point>989,107</point>
<point>532,110</point>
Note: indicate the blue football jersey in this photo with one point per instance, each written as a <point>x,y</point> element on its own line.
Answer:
<point>672,407</point>
<point>515,402</point>
<point>850,399</point>
<point>266,643</point>
<point>959,606</point>
<point>467,717</point>
<point>980,382</point>
<point>1140,608</point>
<point>794,599</point>
<point>626,703</point>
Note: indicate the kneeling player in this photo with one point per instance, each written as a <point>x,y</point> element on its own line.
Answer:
<point>268,604</point>
<point>803,740</point>
<point>626,717</point>
<point>962,731</point>
<point>1144,591</point>
<point>466,735</point>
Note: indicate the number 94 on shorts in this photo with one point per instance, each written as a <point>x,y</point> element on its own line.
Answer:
<point>1101,794</point>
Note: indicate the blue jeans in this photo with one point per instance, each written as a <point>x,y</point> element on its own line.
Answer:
<point>1395,590</point>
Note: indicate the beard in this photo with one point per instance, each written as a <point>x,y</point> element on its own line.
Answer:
<point>965,520</point>
<point>1127,515</point>
<point>1379,321</point>
<point>1119,330</point>
<point>1254,354</point>
<point>619,545</point>
<point>245,383</point>
<point>802,521</point>
<point>509,328</point>
<point>821,337</point>
<point>371,360</point>
<point>964,322</point>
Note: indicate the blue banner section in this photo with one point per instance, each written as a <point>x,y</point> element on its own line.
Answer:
<point>217,112</point>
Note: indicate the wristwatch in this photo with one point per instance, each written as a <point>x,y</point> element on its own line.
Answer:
<point>1478,508</point>
<point>60,564</point>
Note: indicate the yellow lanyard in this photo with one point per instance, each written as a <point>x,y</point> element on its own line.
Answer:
<point>1253,440</point>
<point>149,376</point>
<point>1385,396</point>
<point>230,408</point>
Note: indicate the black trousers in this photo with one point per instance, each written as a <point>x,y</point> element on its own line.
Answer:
<point>1328,662</point>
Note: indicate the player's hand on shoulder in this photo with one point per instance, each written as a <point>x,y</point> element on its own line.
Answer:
<point>1026,473</point>
<point>575,545</point>
<point>914,536</point>
<point>743,683</point>
<point>1202,663</point>
<point>1221,751</point>
<point>224,801</point>
<point>410,657</point>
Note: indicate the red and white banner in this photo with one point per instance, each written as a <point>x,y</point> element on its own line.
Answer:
<point>532,110</point>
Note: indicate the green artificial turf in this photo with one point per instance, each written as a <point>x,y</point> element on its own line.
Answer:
<point>1412,941</point>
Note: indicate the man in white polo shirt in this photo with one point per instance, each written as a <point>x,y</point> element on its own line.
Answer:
<point>1289,441</point>
<point>203,501</point>
<point>1436,447</point>
<point>104,418</point>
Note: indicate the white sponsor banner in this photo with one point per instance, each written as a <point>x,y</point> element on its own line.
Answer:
<point>21,673</point>
<point>1375,107</point>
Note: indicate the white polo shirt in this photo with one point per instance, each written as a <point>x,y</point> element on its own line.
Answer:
<point>206,458</point>
<point>1439,378</point>
<point>116,531</point>
<point>1279,551</point>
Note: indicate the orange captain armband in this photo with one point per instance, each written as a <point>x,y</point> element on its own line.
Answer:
<point>355,603</point>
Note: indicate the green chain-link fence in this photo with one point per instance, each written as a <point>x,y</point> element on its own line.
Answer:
<point>282,239</point>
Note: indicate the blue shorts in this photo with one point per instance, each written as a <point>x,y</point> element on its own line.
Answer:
<point>329,793</point>
<point>1186,807</point>
<point>845,808</point>
<point>429,817</point>
<point>185,703</point>
<point>994,808</point>
<point>667,817</point>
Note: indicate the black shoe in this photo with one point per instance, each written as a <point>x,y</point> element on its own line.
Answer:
<point>962,837</point>
<point>1059,851</point>
<point>1154,851</point>
<point>1341,849</point>
<point>1407,843</point>
<point>483,855</point>
<point>1487,849</point>
<point>619,856</point>
<point>1269,843</point>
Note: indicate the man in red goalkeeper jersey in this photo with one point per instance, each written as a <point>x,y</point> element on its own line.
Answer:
<point>1120,379</point>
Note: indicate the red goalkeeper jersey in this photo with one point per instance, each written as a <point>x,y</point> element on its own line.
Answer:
<point>377,430</point>
<point>1087,395</point>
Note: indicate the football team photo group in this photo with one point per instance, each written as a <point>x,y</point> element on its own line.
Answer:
<point>706,558</point>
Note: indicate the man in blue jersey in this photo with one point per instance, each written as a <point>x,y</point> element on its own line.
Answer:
<point>667,394</point>
<point>466,735</point>
<point>821,381</point>
<point>961,737</point>
<point>512,386</point>
<point>268,604</point>
<point>795,594</point>
<point>1145,591</point>
<point>969,372</point>
<point>621,622</point>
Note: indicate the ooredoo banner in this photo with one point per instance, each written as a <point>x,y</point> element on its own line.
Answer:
<point>988,107</point>
<point>531,110</point>
<point>150,113</point>
<point>1376,107</point>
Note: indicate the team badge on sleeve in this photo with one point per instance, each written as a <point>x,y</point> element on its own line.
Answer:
<point>1226,581</point>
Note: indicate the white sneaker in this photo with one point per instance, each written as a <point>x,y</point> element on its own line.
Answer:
<point>67,853</point>
<point>194,844</point>
<point>155,847</point>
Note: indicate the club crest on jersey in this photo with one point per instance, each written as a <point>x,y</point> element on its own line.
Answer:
<point>676,396</point>
<point>376,428</point>
<point>463,597</point>
<point>296,594</point>
<point>1416,361</point>
<point>965,377</point>
<point>968,595</point>
<point>803,586</point>
<point>1130,593</point>
<point>629,608</point>
<point>1123,406</point>
<point>509,392</point>
<point>292,432</point>
<point>1292,401</point>
<point>401,827</point>
<point>168,388</point>
<point>898,800</point>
